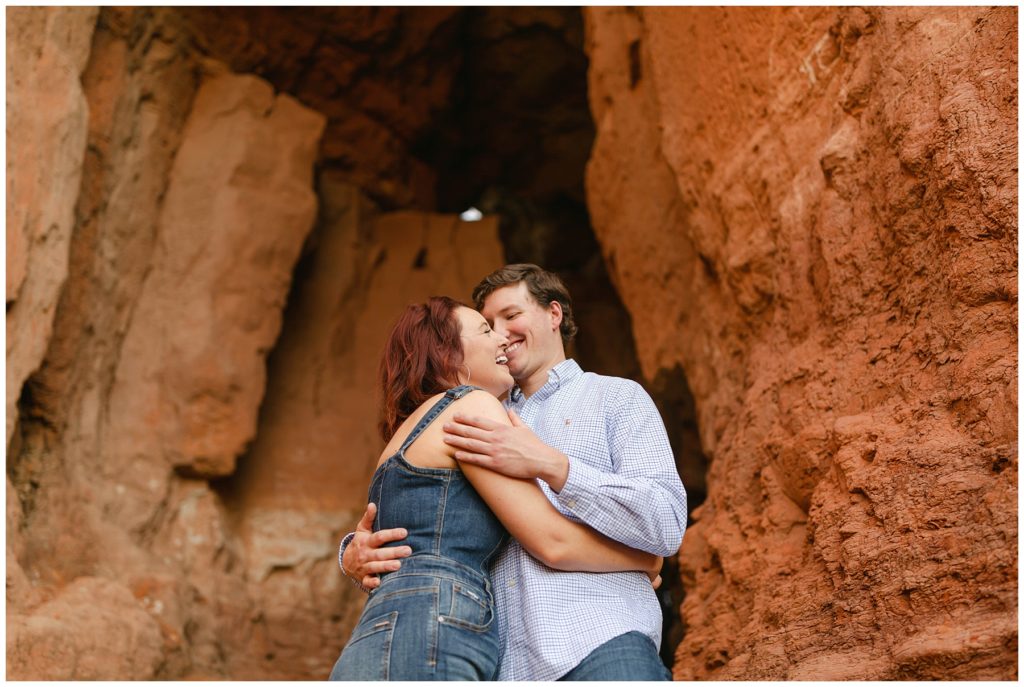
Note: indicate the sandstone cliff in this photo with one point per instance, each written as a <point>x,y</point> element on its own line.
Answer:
<point>214,215</point>
<point>158,212</point>
<point>813,212</point>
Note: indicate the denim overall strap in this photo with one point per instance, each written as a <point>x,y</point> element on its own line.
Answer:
<point>459,391</point>
<point>449,397</point>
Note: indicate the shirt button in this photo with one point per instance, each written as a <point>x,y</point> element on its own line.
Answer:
<point>512,582</point>
<point>572,503</point>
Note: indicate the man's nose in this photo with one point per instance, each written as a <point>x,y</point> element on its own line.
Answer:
<point>501,330</point>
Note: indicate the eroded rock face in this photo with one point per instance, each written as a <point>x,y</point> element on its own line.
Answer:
<point>813,228</point>
<point>138,90</point>
<point>379,74</point>
<point>94,630</point>
<point>813,211</point>
<point>47,119</point>
<point>137,549</point>
<point>178,274</point>
<point>239,204</point>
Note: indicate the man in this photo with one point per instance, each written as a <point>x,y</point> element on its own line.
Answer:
<point>599,450</point>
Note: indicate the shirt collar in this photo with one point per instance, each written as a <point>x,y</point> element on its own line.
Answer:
<point>560,374</point>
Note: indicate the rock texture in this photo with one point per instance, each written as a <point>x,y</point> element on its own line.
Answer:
<point>174,500</point>
<point>138,96</point>
<point>195,199</point>
<point>95,630</point>
<point>239,203</point>
<point>813,212</point>
<point>810,214</point>
<point>379,75</point>
<point>47,119</point>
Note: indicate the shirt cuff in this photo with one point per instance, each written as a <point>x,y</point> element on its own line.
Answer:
<point>581,482</point>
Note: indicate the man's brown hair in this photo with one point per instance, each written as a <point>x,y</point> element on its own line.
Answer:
<point>544,286</point>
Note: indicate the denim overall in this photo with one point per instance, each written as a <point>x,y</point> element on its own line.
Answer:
<point>433,619</point>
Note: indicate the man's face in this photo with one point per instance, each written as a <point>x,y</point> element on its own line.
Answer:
<point>534,340</point>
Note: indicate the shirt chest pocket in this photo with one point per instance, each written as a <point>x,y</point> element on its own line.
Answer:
<point>582,438</point>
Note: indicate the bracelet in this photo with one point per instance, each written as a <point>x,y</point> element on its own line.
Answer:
<point>341,553</point>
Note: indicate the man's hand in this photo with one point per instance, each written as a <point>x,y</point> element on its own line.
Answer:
<point>366,556</point>
<point>513,451</point>
<point>655,573</point>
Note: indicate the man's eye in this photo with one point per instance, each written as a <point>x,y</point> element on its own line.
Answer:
<point>513,316</point>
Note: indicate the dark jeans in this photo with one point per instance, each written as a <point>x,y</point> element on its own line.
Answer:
<point>628,657</point>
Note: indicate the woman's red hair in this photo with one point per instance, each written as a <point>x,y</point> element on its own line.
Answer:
<point>422,357</point>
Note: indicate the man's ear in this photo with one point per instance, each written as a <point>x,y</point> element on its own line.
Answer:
<point>555,311</point>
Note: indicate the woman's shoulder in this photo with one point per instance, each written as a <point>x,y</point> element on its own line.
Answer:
<point>481,402</point>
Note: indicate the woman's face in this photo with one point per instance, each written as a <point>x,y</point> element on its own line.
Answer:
<point>483,354</point>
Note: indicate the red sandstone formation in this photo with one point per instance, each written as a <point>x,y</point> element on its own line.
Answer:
<point>813,211</point>
<point>46,54</point>
<point>180,199</point>
<point>377,73</point>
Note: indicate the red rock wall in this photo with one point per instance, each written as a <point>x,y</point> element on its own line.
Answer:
<point>379,74</point>
<point>813,211</point>
<point>174,501</point>
<point>177,266</point>
<point>46,54</point>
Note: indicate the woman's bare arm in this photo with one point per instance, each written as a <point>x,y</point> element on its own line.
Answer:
<point>545,533</point>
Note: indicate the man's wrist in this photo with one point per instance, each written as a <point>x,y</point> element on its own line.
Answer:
<point>341,562</point>
<point>556,470</point>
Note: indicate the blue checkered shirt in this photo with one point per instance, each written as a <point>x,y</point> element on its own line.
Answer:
<point>622,482</point>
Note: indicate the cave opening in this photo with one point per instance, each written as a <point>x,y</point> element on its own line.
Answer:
<point>444,109</point>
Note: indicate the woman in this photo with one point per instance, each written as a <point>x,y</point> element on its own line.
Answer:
<point>433,619</point>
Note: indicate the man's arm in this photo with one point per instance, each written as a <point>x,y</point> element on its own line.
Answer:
<point>642,504</point>
<point>362,555</point>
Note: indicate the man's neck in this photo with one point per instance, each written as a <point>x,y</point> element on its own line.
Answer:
<point>538,379</point>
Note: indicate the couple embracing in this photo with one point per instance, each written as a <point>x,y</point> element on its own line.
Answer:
<point>514,539</point>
